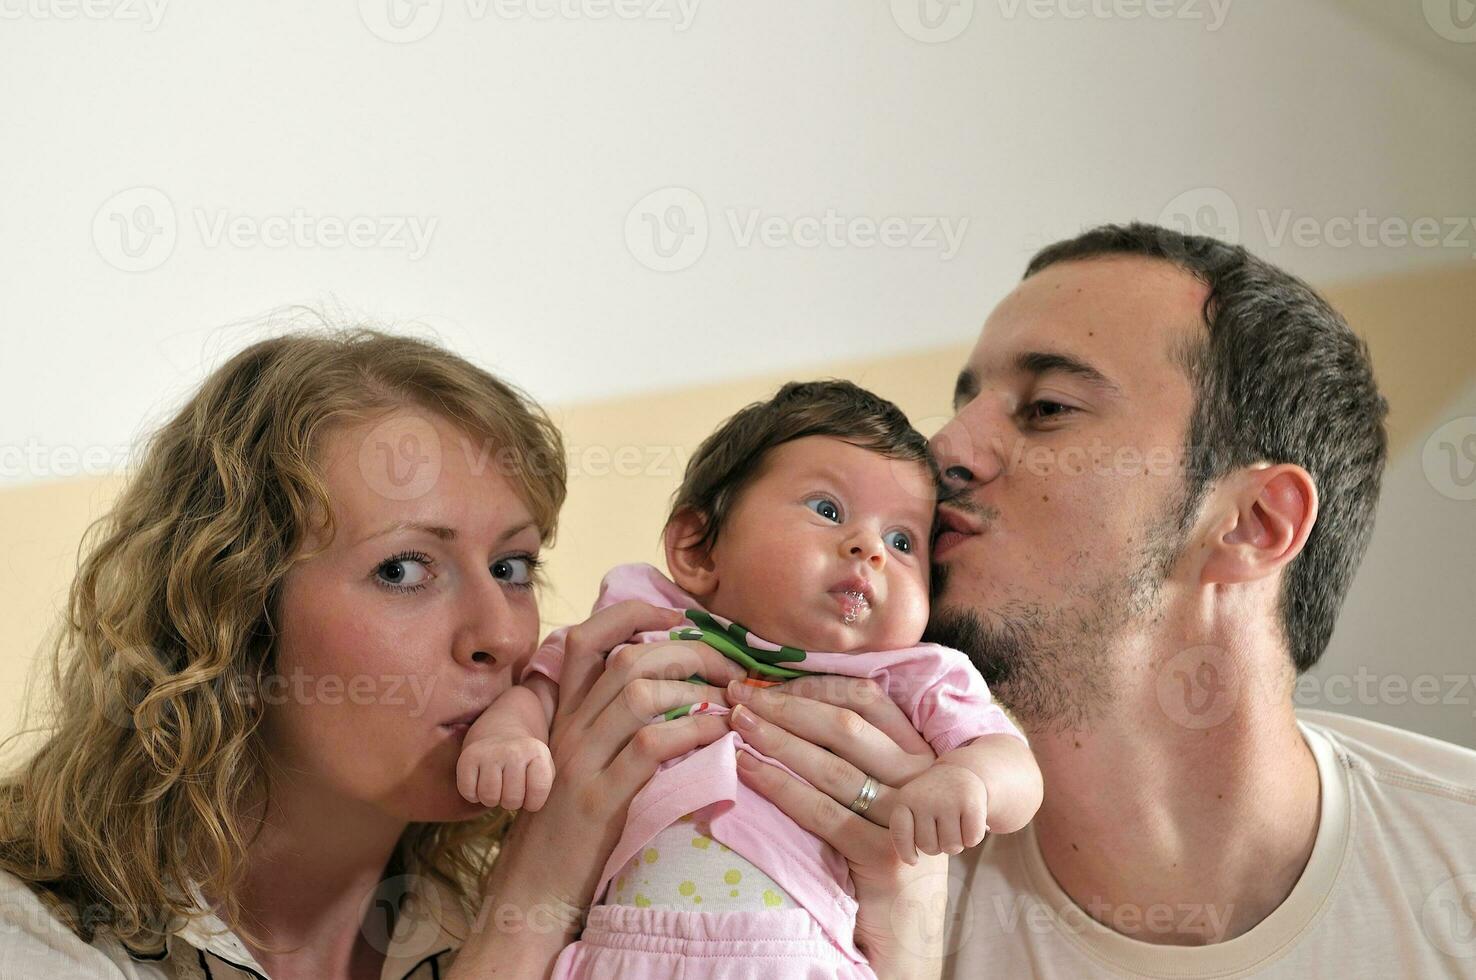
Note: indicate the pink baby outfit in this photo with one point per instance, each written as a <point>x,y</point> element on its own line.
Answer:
<point>936,687</point>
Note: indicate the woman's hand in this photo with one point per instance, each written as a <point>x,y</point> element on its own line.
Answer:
<point>604,751</point>
<point>835,732</point>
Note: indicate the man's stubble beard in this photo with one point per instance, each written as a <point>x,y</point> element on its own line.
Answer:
<point>1054,668</point>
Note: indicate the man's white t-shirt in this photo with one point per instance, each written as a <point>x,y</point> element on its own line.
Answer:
<point>1389,890</point>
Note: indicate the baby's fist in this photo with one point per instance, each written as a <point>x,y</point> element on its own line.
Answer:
<point>943,811</point>
<point>513,772</point>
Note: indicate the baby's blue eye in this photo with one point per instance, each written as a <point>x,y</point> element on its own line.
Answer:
<point>900,540</point>
<point>825,507</point>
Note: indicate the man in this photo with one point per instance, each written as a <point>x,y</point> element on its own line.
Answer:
<point>1164,466</point>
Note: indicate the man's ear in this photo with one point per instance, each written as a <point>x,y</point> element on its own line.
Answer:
<point>1266,513</point>
<point>687,558</point>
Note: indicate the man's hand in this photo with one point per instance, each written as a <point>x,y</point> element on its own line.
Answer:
<point>943,811</point>
<point>514,772</point>
<point>835,732</point>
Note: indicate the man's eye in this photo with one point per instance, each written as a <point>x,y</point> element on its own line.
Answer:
<point>825,507</point>
<point>1043,409</point>
<point>900,540</point>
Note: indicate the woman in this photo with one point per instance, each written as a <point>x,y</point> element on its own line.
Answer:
<point>320,573</point>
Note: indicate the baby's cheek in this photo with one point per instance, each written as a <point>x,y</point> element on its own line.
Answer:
<point>910,616</point>
<point>760,597</point>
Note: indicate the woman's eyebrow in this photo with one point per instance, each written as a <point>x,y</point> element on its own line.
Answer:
<point>439,531</point>
<point>444,533</point>
<point>513,532</point>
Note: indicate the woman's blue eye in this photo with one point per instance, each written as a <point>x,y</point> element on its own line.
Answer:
<point>517,570</point>
<point>404,573</point>
<point>900,540</point>
<point>825,507</point>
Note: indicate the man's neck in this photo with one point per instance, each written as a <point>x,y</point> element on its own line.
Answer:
<point>1176,834</point>
<point>312,873</point>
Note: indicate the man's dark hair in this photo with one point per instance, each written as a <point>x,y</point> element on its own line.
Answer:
<point>1279,377</point>
<point>733,456</point>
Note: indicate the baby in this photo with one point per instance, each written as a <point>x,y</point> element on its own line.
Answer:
<point>803,521</point>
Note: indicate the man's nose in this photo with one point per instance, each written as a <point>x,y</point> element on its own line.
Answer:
<point>969,448</point>
<point>489,634</point>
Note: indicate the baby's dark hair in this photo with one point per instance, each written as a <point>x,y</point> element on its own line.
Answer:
<point>733,456</point>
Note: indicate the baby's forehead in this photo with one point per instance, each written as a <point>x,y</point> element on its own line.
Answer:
<point>884,481</point>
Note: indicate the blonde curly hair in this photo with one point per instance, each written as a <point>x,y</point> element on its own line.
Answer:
<point>152,753</point>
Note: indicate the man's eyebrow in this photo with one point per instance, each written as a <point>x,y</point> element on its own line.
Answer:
<point>439,531</point>
<point>1044,362</point>
<point>966,387</point>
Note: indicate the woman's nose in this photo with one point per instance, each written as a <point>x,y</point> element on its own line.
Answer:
<point>490,634</point>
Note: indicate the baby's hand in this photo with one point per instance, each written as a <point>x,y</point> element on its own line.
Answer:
<point>942,811</point>
<point>514,772</point>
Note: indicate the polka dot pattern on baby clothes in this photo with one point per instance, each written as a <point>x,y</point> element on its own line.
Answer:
<point>685,868</point>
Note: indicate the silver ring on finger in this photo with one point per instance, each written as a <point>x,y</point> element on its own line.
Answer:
<point>866,796</point>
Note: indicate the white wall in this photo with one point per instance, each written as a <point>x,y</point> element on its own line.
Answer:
<point>529,143</point>
<point>1405,648</point>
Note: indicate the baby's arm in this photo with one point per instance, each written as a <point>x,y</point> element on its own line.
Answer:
<point>505,759</point>
<point>993,780</point>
